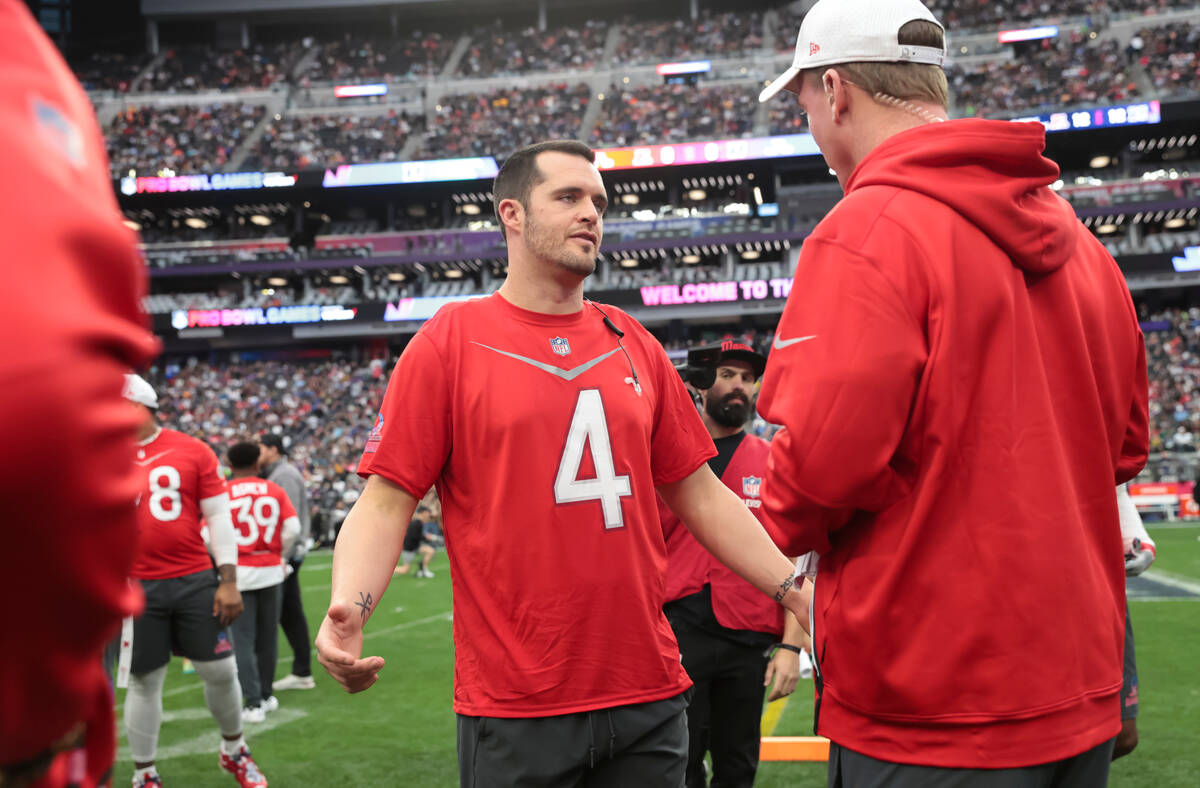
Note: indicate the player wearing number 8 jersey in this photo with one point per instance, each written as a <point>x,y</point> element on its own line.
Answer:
<point>187,607</point>
<point>267,527</point>
<point>546,423</point>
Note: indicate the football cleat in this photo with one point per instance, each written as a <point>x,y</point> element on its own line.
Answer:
<point>149,781</point>
<point>244,769</point>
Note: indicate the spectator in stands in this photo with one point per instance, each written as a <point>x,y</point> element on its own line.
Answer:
<point>496,51</point>
<point>181,139</point>
<point>675,113</point>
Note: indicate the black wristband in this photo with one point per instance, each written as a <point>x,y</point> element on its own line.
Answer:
<point>785,646</point>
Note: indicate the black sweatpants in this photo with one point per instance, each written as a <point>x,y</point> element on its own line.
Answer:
<point>295,625</point>
<point>642,744</point>
<point>849,769</point>
<point>725,715</point>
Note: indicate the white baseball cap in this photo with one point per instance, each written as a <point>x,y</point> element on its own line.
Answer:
<point>857,31</point>
<point>139,391</point>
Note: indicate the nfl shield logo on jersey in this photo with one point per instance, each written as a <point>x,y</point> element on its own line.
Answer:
<point>751,485</point>
<point>560,346</point>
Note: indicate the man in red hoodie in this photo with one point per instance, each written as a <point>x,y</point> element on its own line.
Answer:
<point>961,380</point>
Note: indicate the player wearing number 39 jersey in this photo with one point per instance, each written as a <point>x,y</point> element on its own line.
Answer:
<point>546,423</point>
<point>187,607</point>
<point>267,527</point>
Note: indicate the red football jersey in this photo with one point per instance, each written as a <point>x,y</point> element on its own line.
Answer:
<point>179,472</point>
<point>545,442</point>
<point>71,326</point>
<point>259,510</point>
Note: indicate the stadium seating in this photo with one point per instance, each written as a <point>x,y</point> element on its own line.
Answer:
<point>351,59</point>
<point>183,139</point>
<point>501,121</point>
<point>496,51</point>
<point>190,69</point>
<point>676,113</point>
<point>302,141</point>
<point>712,35</point>
<point>1170,57</point>
<point>1062,72</point>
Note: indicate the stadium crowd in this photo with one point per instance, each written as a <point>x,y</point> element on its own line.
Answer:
<point>183,139</point>
<point>498,51</point>
<point>1173,357</point>
<point>1062,72</point>
<point>1169,56</point>
<point>190,69</point>
<point>417,55</point>
<point>676,113</point>
<point>501,121</point>
<point>300,141</point>
<point>711,35</point>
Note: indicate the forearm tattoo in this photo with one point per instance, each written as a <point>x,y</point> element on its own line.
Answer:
<point>365,602</point>
<point>784,587</point>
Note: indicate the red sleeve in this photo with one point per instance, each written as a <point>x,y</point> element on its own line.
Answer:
<point>841,380</point>
<point>210,483</point>
<point>411,440</point>
<point>680,443</point>
<point>70,327</point>
<point>1135,449</point>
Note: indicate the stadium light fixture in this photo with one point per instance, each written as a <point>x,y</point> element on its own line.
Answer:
<point>1175,224</point>
<point>452,273</point>
<point>1106,229</point>
<point>396,276</point>
<point>195,222</point>
<point>1100,162</point>
<point>628,262</point>
<point>260,220</point>
<point>630,199</point>
<point>696,195</point>
<point>690,259</point>
<point>338,279</point>
<point>751,254</point>
<point>132,225</point>
<point>277,281</point>
<point>471,209</point>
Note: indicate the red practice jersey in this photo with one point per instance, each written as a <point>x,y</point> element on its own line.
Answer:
<point>180,472</point>
<point>259,510</point>
<point>545,450</point>
<point>71,326</point>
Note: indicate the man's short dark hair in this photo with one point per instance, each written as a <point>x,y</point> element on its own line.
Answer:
<point>242,455</point>
<point>520,172</point>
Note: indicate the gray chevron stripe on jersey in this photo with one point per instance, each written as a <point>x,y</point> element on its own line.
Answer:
<point>565,374</point>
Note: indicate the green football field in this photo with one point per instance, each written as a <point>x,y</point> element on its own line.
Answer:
<point>401,731</point>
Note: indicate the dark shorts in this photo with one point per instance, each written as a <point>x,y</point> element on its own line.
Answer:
<point>850,769</point>
<point>178,619</point>
<point>643,744</point>
<point>1129,677</point>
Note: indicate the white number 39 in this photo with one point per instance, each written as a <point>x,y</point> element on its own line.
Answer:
<point>588,426</point>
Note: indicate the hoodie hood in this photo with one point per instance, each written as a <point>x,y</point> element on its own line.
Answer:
<point>991,172</point>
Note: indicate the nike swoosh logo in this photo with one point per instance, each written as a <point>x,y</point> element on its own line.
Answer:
<point>149,460</point>
<point>565,374</point>
<point>780,344</point>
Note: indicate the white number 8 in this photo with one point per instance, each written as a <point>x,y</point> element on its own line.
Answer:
<point>164,487</point>
<point>589,426</point>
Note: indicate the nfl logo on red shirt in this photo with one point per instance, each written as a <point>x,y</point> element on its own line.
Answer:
<point>376,435</point>
<point>751,486</point>
<point>560,346</point>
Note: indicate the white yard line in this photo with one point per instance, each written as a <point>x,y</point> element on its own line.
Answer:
<point>210,742</point>
<point>446,616</point>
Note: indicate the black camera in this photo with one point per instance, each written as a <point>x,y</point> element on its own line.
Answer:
<point>700,368</point>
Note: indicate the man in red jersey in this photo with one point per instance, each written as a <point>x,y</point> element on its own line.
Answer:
<point>187,607</point>
<point>267,527</point>
<point>71,325</point>
<point>726,629</point>
<point>547,423</point>
<point>961,380</point>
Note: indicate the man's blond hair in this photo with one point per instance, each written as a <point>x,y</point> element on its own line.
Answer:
<point>903,81</point>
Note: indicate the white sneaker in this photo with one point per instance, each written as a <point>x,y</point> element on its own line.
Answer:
<point>294,682</point>
<point>254,714</point>
<point>270,704</point>
<point>425,573</point>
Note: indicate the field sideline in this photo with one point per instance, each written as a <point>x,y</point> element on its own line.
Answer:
<point>401,732</point>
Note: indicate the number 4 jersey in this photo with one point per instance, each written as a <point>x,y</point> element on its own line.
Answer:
<point>545,442</point>
<point>180,471</point>
<point>266,525</point>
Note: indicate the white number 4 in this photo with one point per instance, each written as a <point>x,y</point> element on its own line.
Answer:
<point>588,426</point>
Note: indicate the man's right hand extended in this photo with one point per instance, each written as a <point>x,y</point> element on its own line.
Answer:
<point>339,644</point>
